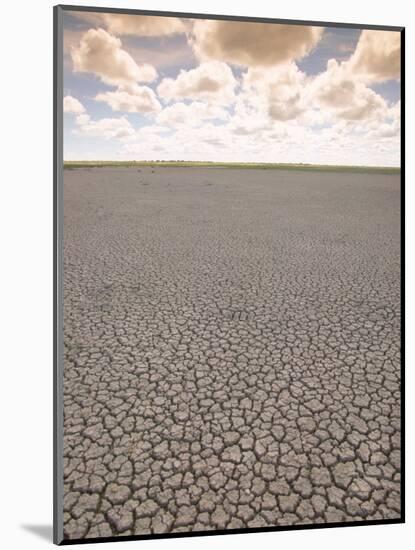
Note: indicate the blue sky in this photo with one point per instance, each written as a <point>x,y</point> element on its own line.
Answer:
<point>146,88</point>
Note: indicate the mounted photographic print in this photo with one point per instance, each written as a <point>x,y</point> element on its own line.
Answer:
<point>229,195</point>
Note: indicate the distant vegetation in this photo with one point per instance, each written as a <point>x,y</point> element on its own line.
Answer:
<point>71,165</point>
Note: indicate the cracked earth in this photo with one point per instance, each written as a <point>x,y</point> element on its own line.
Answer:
<point>231,349</point>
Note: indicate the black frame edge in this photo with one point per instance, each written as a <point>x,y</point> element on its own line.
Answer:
<point>403,218</point>
<point>57,250</point>
<point>244,531</point>
<point>245,18</point>
<point>55,473</point>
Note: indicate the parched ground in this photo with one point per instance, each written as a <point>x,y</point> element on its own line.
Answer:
<point>232,349</point>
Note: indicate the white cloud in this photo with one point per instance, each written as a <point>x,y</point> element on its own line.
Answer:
<point>252,44</point>
<point>250,113</point>
<point>194,114</point>
<point>343,95</point>
<point>154,129</point>
<point>386,131</point>
<point>185,143</point>
<point>82,119</point>
<point>341,143</point>
<point>72,105</point>
<point>143,25</point>
<point>394,111</point>
<point>131,99</point>
<point>101,54</point>
<point>377,56</point>
<point>134,25</point>
<point>280,87</point>
<point>273,112</point>
<point>212,82</point>
<point>106,128</point>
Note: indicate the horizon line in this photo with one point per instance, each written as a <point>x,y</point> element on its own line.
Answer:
<point>229,164</point>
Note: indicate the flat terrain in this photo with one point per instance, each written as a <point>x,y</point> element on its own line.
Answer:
<point>232,349</point>
<point>72,165</point>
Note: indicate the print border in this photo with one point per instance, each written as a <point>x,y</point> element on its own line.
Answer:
<point>58,274</point>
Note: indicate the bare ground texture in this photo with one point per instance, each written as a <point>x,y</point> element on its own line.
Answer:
<point>231,349</point>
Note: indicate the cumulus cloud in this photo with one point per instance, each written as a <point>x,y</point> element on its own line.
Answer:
<point>394,111</point>
<point>131,99</point>
<point>385,131</point>
<point>212,82</point>
<point>250,113</point>
<point>220,143</point>
<point>134,25</point>
<point>101,54</point>
<point>345,96</point>
<point>202,140</point>
<point>154,129</point>
<point>281,86</point>
<point>72,105</point>
<point>377,56</point>
<point>338,145</point>
<point>252,44</point>
<point>106,128</point>
<point>194,114</point>
<point>269,110</point>
<point>143,25</point>
<point>389,129</point>
<point>82,119</point>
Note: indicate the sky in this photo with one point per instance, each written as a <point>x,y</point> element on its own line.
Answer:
<point>142,87</point>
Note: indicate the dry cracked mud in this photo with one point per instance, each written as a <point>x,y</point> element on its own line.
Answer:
<point>231,349</point>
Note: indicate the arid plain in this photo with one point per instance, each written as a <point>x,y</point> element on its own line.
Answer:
<point>231,349</point>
